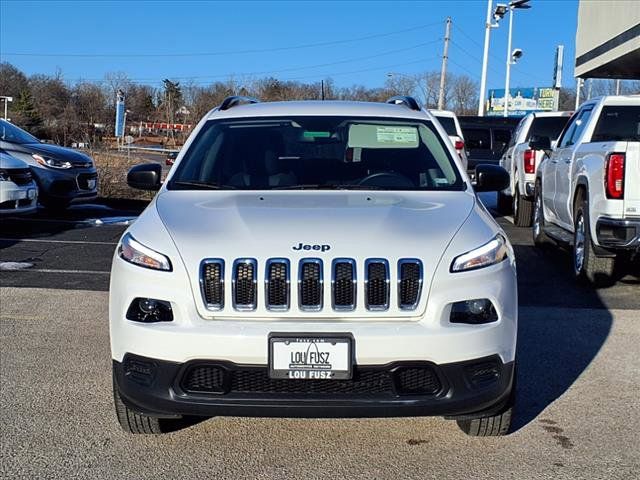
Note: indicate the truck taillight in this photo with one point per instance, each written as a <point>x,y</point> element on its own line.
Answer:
<point>614,175</point>
<point>459,144</point>
<point>529,161</point>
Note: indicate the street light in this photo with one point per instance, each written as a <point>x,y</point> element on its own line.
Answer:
<point>497,15</point>
<point>6,103</point>
<point>512,56</point>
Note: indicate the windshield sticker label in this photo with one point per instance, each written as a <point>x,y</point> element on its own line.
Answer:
<point>397,135</point>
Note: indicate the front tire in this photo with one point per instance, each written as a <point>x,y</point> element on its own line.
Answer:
<point>137,423</point>
<point>493,426</point>
<point>587,266</point>
<point>522,210</point>
<point>540,238</point>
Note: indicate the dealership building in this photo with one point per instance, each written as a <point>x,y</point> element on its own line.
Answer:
<point>608,39</point>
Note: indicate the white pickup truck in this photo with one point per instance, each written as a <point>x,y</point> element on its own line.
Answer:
<point>521,161</point>
<point>587,192</point>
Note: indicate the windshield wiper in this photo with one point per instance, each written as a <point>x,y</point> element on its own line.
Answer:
<point>318,186</point>
<point>200,185</point>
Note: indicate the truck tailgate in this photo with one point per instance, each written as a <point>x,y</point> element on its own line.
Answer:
<point>632,180</point>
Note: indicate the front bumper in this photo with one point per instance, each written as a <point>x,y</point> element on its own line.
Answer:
<point>18,199</point>
<point>72,185</point>
<point>473,388</point>
<point>618,233</point>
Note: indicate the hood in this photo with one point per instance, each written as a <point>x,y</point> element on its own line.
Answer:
<point>356,225</point>
<point>8,162</point>
<point>75,157</point>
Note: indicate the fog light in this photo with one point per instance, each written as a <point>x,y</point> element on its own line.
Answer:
<point>476,311</point>
<point>149,310</point>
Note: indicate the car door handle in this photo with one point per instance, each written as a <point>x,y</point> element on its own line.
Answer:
<point>567,161</point>
<point>555,160</point>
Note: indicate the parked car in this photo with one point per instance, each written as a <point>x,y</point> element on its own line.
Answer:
<point>587,194</point>
<point>521,161</point>
<point>18,190</point>
<point>63,175</point>
<point>171,158</point>
<point>486,138</point>
<point>450,123</point>
<point>314,259</point>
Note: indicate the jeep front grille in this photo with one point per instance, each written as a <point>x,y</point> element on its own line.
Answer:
<point>344,284</point>
<point>277,284</point>
<point>409,283</point>
<point>244,284</point>
<point>378,296</point>
<point>310,284</point>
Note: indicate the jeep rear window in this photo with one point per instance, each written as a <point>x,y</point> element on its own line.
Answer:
<point>449,125</point>
<point>547,127</point>
<point>317,153</point>
<point>618,123</point>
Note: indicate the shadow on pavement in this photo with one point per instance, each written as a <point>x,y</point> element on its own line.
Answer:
<point>555,345</point>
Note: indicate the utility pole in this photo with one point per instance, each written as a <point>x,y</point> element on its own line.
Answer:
<point>485,60</point>
<point>618,87</point>
<point>445,56</point>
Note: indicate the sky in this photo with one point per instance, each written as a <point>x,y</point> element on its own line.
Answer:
<point>357,42</point>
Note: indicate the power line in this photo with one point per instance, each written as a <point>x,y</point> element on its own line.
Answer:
<point>291,69</point>
<point>229,52</point>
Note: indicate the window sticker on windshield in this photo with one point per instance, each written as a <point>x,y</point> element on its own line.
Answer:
<point>317,134</point>
<point>397,135</point>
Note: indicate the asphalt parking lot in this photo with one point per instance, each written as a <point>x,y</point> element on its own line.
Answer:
<point>578,382</point>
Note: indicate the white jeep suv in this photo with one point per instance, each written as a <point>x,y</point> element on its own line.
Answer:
<point>314,259</point>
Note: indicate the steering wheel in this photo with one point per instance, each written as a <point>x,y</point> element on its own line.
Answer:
<point>386,179</point>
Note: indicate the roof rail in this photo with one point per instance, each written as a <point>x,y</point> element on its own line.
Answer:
<point>235,100</point>
<point>406,101</point>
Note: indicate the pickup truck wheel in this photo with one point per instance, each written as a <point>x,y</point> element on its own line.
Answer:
<point>587,266</point>
<point>540,238</point>
<point>522,210</point>
<point>504,204</point>
<point>134,422</point>
<point>494,426</point>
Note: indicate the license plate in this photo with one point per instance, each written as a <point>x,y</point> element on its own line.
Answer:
<point>91,184</point>
<point>31,193</point>
<point>22,194</point>
<point>302,357</point>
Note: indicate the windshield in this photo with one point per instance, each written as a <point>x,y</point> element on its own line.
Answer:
<point>12,134</point>
<point>618,123</point>
<point>547,127</point>
<point>317,153</point>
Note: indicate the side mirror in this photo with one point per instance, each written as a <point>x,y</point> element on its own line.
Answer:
<point>491,178</point>
<point>145,176</point>
<point>540,143</point>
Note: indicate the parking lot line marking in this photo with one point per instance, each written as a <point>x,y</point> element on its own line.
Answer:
<point>53,270</point>
<point>44,240</point>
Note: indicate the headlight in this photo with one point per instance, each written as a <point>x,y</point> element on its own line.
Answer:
<point>51,162</point>
<point>488,254</point>
<point>134,252</point>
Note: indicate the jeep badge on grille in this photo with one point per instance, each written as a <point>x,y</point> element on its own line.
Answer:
<point>306,246</point>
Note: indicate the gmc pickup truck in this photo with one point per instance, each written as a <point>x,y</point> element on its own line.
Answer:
<point>587,192</point>
<point>521,161</point>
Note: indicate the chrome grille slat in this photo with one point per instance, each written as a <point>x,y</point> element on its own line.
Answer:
<point>410,275</point>
<point>310,284</point>
<point>212,283</point>
<point>277,284</point>
<point>343,281</point>
<point>245,284</point>
<point>376,283</point>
